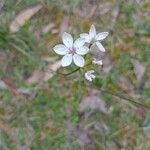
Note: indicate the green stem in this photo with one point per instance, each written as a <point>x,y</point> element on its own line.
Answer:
<point>126,98</point>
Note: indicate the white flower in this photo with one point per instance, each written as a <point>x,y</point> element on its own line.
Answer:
<point>97,62</point>
<point>72,51</point>
<point>94,38</point>
<point>89,75</point>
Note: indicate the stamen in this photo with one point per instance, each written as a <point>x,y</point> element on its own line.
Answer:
<point>72,51</point>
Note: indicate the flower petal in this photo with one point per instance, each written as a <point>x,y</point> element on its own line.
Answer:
<point>100,46</point>
<point>101,36</point>
<point>86,37</point>
<point>79,42</point>
<point>67,39</point>
<point>61,49</point>
<point>78,60</point>
<point>88,77</point>
<point>97,62</point>
<point>93,76</point>
<point>92,32</point>
<point>66,60</point>
<point>82,50</point>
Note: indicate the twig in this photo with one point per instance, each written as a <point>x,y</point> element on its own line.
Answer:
<point>67,74</point>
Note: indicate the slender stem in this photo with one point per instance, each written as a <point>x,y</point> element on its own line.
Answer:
<point>63,74</point>
<point>127,99</point>
<point>67,74</point>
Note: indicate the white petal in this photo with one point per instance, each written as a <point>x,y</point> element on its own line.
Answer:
<point>82,50</point>
<point>100,46</point>
<point>66,60</point>
<point>67,39</point>
<point>86,37</point>
<point>78,60</point>
<point>93,76</point>
<point>92,32</point>
<point>60,49</point>
<point>97,62</point>
<point>79,42</point>
<point>88,77</point>
<point>101,36</point>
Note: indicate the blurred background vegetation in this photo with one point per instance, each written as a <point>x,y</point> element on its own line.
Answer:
<point>41,110</point>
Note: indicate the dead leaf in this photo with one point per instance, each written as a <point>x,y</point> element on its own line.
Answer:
<point>99,126</point>
<point>8,84</point>
<point>125,84</point>
<point>52,68</point>
<point>139,72</point>
<point>48,27</point>
<point>79,133</point>
<point>138,69</point>
<point>64,25</point>
<point>55,31</point>
<point>83,137</point>
<point>41,75</point>
<point>22,17</point>
<point>11,86</point>
<point>93,102</point>
<point>35,77</point>
<point>48,59</point>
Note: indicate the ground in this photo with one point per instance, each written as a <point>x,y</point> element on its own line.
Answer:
<point>41,110</point>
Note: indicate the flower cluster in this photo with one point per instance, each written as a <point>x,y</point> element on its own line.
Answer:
<point>74,51</point>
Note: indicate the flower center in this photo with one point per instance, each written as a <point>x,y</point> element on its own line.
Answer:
<point>93,40</point>
<point>72,50</point>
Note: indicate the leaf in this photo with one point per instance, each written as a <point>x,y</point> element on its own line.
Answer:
<point>79,133</point>
<point>22,17</point>
<point>125,84</point>
<point>52,68</point>
<point>64,25</point>
<point>93,102</point>
<point>48,27</point>
<point>35,77</point>
<point>83,137</point>
<point>11,86</point>
<point>41,75</point>
<point>138,69</point>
